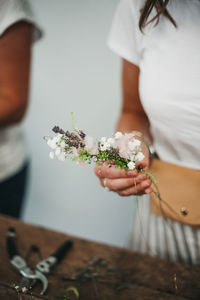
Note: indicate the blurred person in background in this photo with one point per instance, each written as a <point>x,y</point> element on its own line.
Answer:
<point>159,44</point>
<point>17,32</point>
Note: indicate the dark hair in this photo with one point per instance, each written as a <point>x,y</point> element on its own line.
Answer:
<point>161,9</point>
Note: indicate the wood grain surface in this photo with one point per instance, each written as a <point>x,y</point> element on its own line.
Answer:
<point>138,276</point>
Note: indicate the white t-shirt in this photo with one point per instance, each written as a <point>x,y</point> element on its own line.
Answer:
<point>12,148</point>
<point>169,82</point>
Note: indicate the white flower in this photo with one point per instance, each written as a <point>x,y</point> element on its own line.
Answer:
<point>104,146</point>
<point>137,142</point>
<point>61,156</point>
<point>132,157</point>
<point>51,155</point>
<point>58,151</point>
<point>103,140</point>
<point>131,165</point>
<point>57,138</point>
<point>139,156</point>
<point>111,142</point>
<point>62,144</point>
<point>51,144</point>
<point>118,134</point>
<point>133,144</point>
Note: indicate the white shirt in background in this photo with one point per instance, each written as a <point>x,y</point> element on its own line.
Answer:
<point>169,82</point>
<point>12,147</point>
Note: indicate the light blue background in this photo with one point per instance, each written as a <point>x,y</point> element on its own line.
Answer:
<point>73,70</point>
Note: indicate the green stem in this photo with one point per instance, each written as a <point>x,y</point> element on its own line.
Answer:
<point>158,195</point>
<point>73,123</point>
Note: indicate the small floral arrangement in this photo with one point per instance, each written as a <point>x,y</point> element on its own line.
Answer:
<point>121,150</point>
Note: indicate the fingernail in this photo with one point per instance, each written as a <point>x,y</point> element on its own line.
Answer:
<point>99,172</point>
<point>145,184</point>
<point>148,191</point>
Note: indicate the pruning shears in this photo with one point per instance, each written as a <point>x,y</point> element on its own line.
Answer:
<point>30,277</point>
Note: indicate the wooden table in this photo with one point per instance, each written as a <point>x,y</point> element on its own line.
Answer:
<point>122,274</point>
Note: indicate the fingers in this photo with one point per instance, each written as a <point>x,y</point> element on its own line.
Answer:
<point>138,189</point>
<point>105,171</point>
<point>148,190</point>
<point>125,183</point>
<point>128,186</point>
<point>122,182</point>
<point>118,184</point>
<point>145,162</point>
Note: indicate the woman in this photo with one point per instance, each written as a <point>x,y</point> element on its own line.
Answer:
<point>16,36</point>
<point>160,49</point>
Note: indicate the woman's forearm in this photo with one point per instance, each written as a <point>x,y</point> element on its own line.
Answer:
<point>133,116</point>
<point>12,111</point>
<point>128,122</point>
<point>15,57</point>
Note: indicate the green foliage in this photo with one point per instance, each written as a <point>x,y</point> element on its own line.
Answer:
<point>73,123</point>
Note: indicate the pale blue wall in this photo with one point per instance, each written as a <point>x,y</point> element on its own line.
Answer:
<point>73,70</point>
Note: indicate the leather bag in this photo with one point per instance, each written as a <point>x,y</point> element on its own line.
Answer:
<point>179,188</point>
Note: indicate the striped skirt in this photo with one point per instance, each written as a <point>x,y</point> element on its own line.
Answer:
<point>168,239</point>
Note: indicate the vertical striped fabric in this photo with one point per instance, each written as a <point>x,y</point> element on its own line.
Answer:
<point>164,238</point>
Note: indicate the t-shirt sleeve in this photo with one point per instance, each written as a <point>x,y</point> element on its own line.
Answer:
<point>13,11</point>
<point>123,37</point>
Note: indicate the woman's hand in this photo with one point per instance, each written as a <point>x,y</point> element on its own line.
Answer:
<point>126,183</point>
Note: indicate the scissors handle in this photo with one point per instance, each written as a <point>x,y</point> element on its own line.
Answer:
<point>11,243</point>
<point>47,264</point>
<point>62,250</point>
